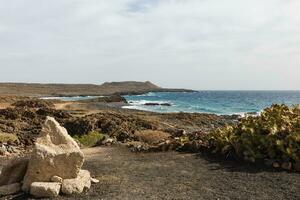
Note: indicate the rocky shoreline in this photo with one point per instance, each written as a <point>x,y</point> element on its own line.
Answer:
<point>22,124</point>
<point>24,119</point>
<point>104,120</point>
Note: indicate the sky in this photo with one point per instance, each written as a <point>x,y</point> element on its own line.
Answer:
<point>196,44</point>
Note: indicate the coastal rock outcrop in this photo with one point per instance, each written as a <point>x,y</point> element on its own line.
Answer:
<point>55,154</point>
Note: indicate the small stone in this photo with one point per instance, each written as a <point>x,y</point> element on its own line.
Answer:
<point>10,189</point>
<point>276,165</point>
<point>56,179</point>
<point>77,185</point>
<point>108,141</point>
<point>286,166</point>
<point>93,180</point>
<point>2,150</point>
<point>45,189</point>
<point>10,149</point>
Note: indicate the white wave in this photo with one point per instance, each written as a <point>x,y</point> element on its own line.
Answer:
<point>143,102</point>
<point>49,98</point>
<point>149,94</point>
<point>246,114</point>
<point>135,108</point>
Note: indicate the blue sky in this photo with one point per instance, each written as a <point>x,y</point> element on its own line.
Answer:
<point>198,44</point>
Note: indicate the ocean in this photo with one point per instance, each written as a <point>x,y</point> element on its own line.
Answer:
<point>216,102</point>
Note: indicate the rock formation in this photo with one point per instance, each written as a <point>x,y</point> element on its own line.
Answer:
<point>55,154</point>
<point>54,166</point>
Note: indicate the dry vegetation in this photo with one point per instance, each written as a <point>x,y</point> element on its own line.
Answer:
<point>109,88</point>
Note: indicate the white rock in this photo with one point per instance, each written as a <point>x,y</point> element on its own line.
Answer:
<point>56,179</point>
<point>45,189</point>
<point>10,189</point>
<point>77,185</point>
<point>93,180</point>
<point>55,154</point>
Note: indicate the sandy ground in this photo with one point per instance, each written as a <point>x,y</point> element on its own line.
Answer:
<point>171,175</point>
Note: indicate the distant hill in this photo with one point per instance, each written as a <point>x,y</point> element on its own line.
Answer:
<point>107,88</point>
<point>129,86</point>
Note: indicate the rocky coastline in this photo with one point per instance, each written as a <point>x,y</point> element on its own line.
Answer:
<point>103,121</point>
<point>24,118</point>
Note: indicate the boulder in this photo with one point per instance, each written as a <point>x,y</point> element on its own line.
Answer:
<point>14,171</point>
<point>55,154</point>
<point>276,165</point>
<point>10,189</point>
<point>45,189</point>
<point>77,185</point>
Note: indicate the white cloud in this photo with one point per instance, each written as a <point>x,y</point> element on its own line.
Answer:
<point>201,44</point>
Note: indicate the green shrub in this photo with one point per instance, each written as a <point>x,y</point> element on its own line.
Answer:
<point>90,139</point>
<point>5,137</point>
<point>275,134</point>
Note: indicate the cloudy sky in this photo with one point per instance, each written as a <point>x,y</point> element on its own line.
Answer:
<point>198,44</point>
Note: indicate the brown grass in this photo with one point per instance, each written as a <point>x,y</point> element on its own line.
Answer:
<point>151,136</point>
<point>5,137</point>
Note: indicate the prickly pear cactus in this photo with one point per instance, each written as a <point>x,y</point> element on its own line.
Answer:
<point>275,134</point>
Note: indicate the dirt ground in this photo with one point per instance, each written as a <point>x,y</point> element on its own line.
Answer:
<point>172,175</point>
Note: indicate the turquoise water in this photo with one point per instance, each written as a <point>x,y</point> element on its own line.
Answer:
<point>217,102</point>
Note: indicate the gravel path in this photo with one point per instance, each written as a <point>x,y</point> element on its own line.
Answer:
<point>171,175</point>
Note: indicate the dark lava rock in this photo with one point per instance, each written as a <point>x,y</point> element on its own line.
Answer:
<point>151,104</point>
<point>9,113</point>
<point>26,122</point>
<point>157,104</point>
<point>107,99</point>
<point>78,126</point>
<point>51,112</point>
<point>165,104</point>
<point>33,103</point>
